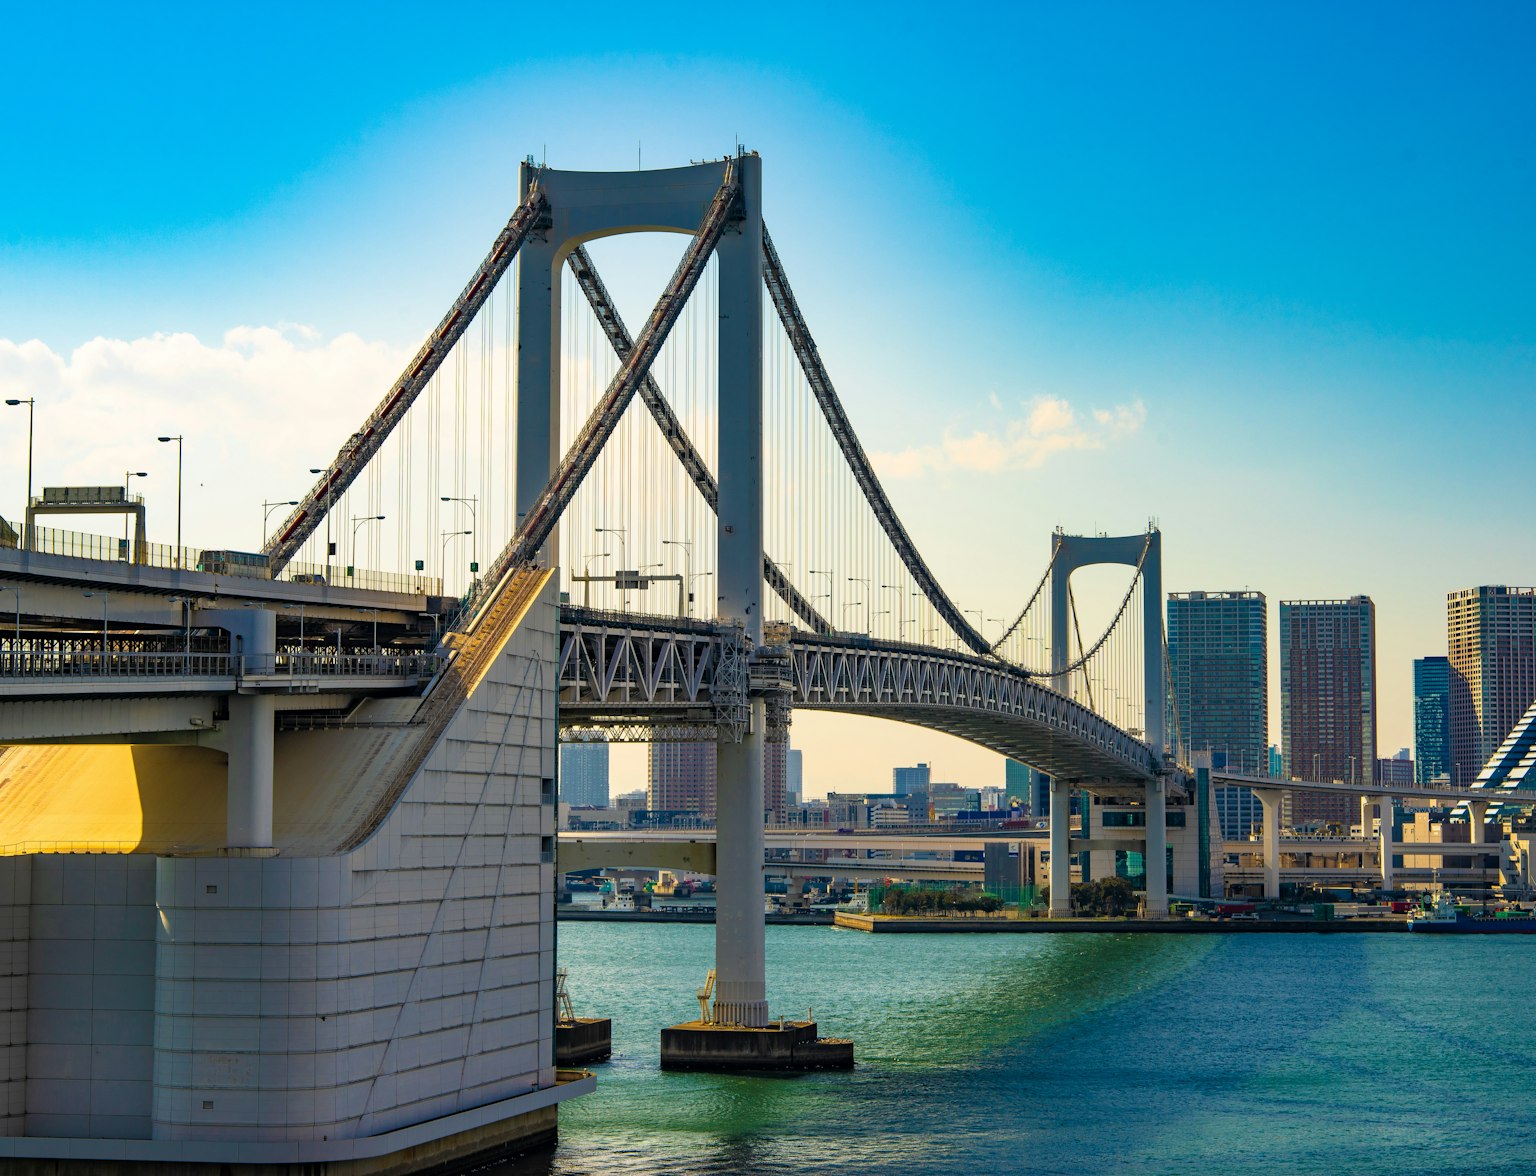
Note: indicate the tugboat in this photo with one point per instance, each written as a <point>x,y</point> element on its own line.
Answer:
<point>1443,917</point>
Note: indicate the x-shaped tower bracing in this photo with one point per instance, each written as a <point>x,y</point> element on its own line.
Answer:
<point>718,205</point>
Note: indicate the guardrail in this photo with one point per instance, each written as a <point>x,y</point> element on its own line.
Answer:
<point>23,665</point>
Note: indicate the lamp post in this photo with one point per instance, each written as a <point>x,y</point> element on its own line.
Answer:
<point>359,521</point>
<point>16,588</point>
<point>883,612</point>
<point>865,581</point>
<point>687,546</point>
<point>1316,755</point>
<point>128,476</point>
<point>830,580</point>
<point>330,548</point>
<point>621,532</point>
<point>901,607</point>
<point>473,502</point>
<point>106,599</point>
<point>266,513</point>
<point>31,403</point>
<point>186,614</point>
<point>442,562</point>
<point>178,439</point>
<point>586,577</point>
<point>698,576</point>
<point>300,607</point>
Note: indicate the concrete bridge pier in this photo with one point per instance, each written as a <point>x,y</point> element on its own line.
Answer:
<point>740,966</point>
<point>1384,839</point>
<point>1155,856</point>
<point>1477,815</point>
<point>1269,802</point>
<point>1061,848</point>
<point>249,797</point>
<point>250,732</point>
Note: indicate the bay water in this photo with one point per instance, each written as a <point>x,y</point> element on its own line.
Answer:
<point>1071,1053</point>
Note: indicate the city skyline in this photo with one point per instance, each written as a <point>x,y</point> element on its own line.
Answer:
<point>1118,321</point>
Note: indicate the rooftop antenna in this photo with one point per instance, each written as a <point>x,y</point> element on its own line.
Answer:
<point>637,154</point>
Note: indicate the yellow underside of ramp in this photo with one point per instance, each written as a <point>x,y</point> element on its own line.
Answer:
<point>331,787</point>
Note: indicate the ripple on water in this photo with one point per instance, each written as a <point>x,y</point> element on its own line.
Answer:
<point>1068,1054</point>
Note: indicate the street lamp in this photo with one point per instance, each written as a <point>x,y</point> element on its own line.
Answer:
<point>300,607</point>
<point>106,598</point>
<point>621,532</point>
<point>697,576</point>
<point>31,403</point>
<point>359,521</point>
<point>1315,757</point>
<point>473,502</point>
<point>186,603</point>
<point>586,577</point>
<point>128,476</point>
<point>330,548</point>
<point>687,546</point>
<point>442,562</point>
<point>901,606</point>
<point>865,581</point>
<point>828,593</point>
<point>178,440</point>
<point>16,588</point>
<point>266,513</point>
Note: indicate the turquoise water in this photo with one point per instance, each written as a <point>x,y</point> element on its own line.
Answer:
<point>1072,1054</point>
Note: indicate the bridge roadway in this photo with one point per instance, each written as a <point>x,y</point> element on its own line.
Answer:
<point>1446,794</point>
<point>694,850</point>
<point>622,676</point>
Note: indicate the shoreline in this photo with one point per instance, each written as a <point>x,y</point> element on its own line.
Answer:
<point>919,924</point>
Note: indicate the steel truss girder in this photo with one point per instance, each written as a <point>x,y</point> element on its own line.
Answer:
<point>641,674</point>
<point>954,692</point>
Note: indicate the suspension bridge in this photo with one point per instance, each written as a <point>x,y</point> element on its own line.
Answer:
<point>397,725</point>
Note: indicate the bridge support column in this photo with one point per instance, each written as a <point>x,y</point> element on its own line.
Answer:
<point>1477,815</point>
<point>740,969</point>
<point>249,733</point>
<point>249,797</point>
<point>739,963</point>
<point>538,369</point>
<point>1155,856</point>
<point>1269,802</point>
<point>1061,848</point>
<point>1384,840</point>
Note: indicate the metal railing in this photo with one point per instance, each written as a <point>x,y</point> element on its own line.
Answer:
<point>115,549</point>
<point>24,664</point>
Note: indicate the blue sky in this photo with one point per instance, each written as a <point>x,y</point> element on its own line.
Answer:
<point>1297,236</point>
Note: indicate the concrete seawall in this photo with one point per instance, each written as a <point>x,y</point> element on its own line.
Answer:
<point>908,924</point>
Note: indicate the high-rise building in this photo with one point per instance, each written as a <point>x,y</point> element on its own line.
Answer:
<point>1218,660</point>
<point>1029,786</point>
<point>1328,701</point>
<point>775,780</point>
<point>1397,770</point>
<point>905,781</point>
<point>1431,719</point>
<point>1491,642</point>
<point>584,774</point>
<point>794,777</point>
<point>682,778</point>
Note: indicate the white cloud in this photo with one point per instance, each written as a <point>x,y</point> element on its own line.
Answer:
<point>258,408</point>
<point>1049,426</point>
